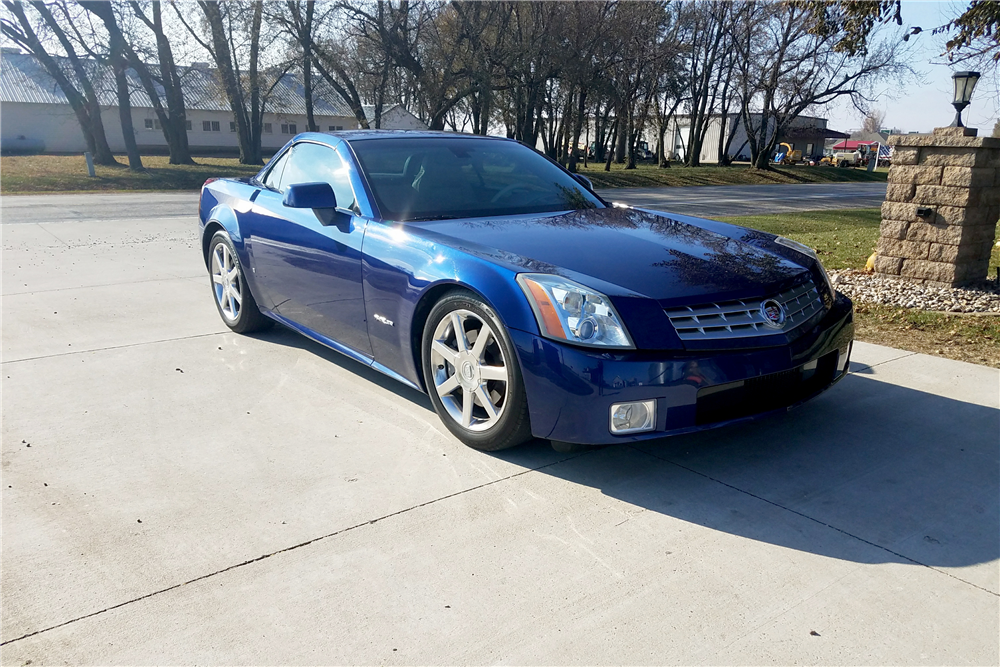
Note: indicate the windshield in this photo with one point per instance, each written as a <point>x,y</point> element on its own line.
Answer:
<point>439,178</point>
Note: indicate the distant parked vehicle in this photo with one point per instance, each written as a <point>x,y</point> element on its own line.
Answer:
<point>847,159</point>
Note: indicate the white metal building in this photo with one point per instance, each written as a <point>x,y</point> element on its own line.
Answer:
<point>806,133</point>
<point>36,117</point>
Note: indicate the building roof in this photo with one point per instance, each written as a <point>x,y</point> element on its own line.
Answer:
<point>861,135</point>
<point>24,79</point>
<point>812,132</point>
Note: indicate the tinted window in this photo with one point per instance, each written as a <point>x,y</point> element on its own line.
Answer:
<point>273,178</point>
<point>426,178</point>
<point>313,163</point>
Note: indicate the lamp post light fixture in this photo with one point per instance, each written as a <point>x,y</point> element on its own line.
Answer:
<point>965,83</point>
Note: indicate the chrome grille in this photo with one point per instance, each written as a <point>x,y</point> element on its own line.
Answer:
<point>742,318</point>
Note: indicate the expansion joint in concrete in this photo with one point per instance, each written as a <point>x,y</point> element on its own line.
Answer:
<point>293,548</point>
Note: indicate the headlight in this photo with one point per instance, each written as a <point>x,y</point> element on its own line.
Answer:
<point>566,310</point>
<point>806,250</point>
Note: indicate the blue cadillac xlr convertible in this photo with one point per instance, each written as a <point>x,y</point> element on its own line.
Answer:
<point>481,272</point>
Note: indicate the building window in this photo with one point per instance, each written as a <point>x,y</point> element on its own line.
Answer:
<point>289,128</point>
<point>149,124</point>
<point>268,129</point>
<point>210,126</point>
<point>232,126</point>
<point>187,123</point>
<point>809,150</point>
<point>336,128</point>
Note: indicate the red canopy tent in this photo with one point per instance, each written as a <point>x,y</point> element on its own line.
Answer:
<point>852,145</point>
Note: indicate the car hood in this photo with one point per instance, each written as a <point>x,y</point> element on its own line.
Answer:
<point>674,259</point>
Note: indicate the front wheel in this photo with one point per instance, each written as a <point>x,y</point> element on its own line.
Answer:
<point>232,296</point>
<point>472,375</point>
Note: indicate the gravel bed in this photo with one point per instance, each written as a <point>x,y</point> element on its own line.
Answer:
<point>983,297</point>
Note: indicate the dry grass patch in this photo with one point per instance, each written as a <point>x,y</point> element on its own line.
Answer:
<point>971,338</point>
<point>26,174</point>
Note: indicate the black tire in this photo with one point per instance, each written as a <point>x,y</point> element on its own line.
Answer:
<point>247,316</point>
<point>511,426</point>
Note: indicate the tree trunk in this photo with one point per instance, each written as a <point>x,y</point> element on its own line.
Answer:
<point>581,117</point>
<point>174,121</point>
<point>307,87</point>
<point>119,65</point>
<point>612,148</point>
<point>234,92</point>
<point>633,138</point>
<point>125,114</point>
<point>621,137</point>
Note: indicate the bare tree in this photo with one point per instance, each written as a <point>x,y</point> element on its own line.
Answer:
<point>785,70</point>
<point>117,58</point>
<point>708,30</point>
<point>83,99</point>
<point>234,44</point>
<point>164,75</point>
<point>424,39</point>
<point>873,121</point>
<point>296,19</point>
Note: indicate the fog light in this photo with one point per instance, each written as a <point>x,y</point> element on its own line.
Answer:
<point>633,417</point>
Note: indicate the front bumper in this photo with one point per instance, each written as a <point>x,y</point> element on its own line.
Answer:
<point>571,390</point>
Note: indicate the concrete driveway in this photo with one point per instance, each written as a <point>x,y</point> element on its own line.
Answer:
<point>177,494</point>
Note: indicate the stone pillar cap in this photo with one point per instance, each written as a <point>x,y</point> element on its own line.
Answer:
<point>956,131</point>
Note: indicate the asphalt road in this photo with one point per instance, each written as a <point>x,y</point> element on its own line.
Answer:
<point>174,493</point>
<point>706,201</point>
<point>726,200</point>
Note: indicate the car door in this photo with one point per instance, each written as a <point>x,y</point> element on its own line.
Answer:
<point>309,262</point>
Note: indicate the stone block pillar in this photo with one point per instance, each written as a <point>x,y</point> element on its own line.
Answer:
<point>941,207</point>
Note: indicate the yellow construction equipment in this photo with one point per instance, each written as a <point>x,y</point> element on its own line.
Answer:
<point>791,157</point>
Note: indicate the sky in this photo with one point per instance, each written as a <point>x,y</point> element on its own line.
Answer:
<point>924,105</point>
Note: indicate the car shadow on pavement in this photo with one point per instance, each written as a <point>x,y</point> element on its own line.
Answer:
<point>884,472</point>
<point>281,335</point>
<point>869,472</point>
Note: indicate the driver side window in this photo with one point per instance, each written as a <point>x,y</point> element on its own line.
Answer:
<point>311,163</point>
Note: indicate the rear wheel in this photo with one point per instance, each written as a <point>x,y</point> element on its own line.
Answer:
<point>232,296</point>
<point>472,374</point>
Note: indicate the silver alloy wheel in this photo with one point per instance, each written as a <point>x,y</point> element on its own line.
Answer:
<point>228,282</point>
<point>470,373</point>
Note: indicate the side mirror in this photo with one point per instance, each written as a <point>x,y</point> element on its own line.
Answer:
<point>310,195</point>
<point>584,181</point>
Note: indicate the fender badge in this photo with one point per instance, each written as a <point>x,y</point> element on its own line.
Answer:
<point>383,319</point>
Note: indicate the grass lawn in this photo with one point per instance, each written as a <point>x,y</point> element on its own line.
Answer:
<point>68,173</point>
<point>649,175</point>
<point>844,240</point>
